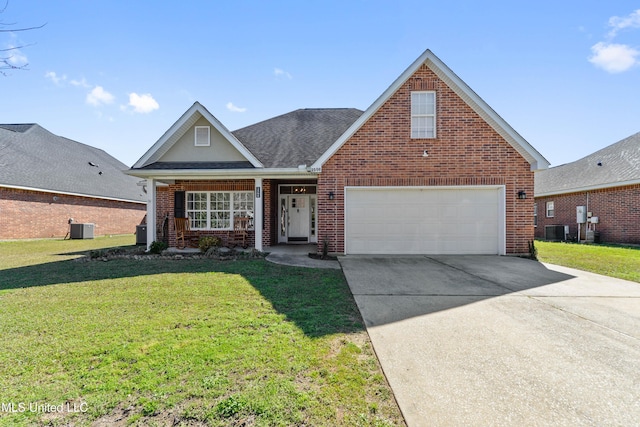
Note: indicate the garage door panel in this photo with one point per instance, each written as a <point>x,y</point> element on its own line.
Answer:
<point>422,221</point>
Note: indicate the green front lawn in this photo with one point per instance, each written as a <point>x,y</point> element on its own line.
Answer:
<point>189,342</point>
<point>614,261</point>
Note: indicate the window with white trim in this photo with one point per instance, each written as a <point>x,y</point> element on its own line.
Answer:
<point>202,136</point>
<point>216,210</point>
<point>423,114</point>
<point>551,211</point>
<point>535,214</point>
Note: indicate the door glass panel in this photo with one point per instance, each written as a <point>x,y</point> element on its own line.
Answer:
<point>312,202</point>
<point>283,217</point>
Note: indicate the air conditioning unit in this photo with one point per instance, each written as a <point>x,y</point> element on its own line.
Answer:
<point>81,231</point>
<point>554,232</point>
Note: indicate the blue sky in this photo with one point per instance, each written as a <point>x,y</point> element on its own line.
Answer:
<point>117,74</point>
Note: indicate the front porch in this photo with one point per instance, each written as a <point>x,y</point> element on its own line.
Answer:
<point>277,211</point>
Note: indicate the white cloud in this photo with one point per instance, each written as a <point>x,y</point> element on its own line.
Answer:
<point>80,83</point>
<point>99,96</point>
<point>618,23</point>
<point>51,75</point>
<point>142,104</point>
<point>279,72</point>
<point>614,58</point>
<point>14,55</point>
<point>235,109</point>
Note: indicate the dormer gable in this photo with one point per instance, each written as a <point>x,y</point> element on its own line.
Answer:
<point>197,136</point>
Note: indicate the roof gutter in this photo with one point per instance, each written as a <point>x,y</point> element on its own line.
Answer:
<point>588,188</point>
<point>171,174</point>
<point>68,193</point>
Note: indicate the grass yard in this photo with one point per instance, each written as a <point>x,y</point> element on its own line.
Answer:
<point>180,342</point>
<point>614,261</point>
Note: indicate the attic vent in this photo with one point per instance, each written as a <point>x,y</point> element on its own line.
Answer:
<point>202,136</point>
<point>423,84</point>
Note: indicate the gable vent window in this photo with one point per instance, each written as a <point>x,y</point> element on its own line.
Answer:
<point>423,114</point>
<point>203,136</point>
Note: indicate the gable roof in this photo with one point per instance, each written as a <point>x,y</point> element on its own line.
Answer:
<point>33,158</point>
<point>296,138</point>
<point>180,127</point>
<point>613,166</point>
<point>535,159</point>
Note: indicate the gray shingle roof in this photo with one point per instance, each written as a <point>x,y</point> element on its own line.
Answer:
<point>33,157</point>
<point>618,163</point>
<point>296,138</point>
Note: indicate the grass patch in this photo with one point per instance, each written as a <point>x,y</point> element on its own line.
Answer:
<point>182,341</point>
<point>614,261</point>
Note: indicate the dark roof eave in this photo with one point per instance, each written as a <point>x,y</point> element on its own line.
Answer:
<point>186,174</point>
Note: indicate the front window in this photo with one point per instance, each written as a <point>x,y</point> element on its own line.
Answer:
<point>535,215</point>
<point>216,210</point>
<point>550,210</point>
<point>423,114</point>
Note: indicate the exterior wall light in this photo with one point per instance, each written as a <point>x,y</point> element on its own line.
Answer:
<point>331,195</point>
<point>522,194</point>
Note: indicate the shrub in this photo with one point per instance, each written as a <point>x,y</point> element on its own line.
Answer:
<point>157,247</point>
<point>207,242</point>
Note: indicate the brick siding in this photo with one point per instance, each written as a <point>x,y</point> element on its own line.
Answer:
<point>467,151</point>
<point>617,209</point>
<point>165,207</point>
<point>34,214</point>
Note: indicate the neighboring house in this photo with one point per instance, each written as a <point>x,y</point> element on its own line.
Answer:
<point>428,168</point>
<point>46,180</point>
<point>606,183</point>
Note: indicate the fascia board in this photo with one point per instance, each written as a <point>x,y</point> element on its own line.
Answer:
<point>588,188</point>
<point>174,174</point>
<point>230,137</point>
<point>188,118</point>
<point>535,159</point>
<point>159,147</point>
<point>68,193</point>
<point>317,165</point>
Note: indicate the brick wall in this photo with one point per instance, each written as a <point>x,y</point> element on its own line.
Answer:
<point>33,214</point>
<point>467,151</point>
<point>618,211</point>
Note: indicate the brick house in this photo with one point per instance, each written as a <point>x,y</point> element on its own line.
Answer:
<point>606,183</point>
<point>45,180</point>
<point>428,168</point>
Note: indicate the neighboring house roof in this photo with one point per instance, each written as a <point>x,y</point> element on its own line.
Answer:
<point>534,158</point>
<point>296,138</point>
<point>33,158</point>
<point>180,127</point>
<point>613,166</point>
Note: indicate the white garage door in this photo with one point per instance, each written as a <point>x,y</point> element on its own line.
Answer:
<point>463,220</point>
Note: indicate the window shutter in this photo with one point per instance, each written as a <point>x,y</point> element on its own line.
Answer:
<point>179,204</point>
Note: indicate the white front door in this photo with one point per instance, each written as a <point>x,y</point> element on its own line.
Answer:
<point>299,218</point>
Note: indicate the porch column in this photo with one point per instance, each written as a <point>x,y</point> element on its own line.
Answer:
<point>151,212</point>
<point>257,213</point>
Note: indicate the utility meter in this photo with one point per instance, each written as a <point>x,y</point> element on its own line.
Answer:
<point>581,214</point>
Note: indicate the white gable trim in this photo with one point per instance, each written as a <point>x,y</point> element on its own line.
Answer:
<point>535,159</point>
<point>188,119</point>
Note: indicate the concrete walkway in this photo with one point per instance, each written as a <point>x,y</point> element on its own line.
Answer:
<point>501,341</point>
<point>298,256</point>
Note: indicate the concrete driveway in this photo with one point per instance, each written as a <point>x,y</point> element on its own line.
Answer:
<point>501,341</point>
